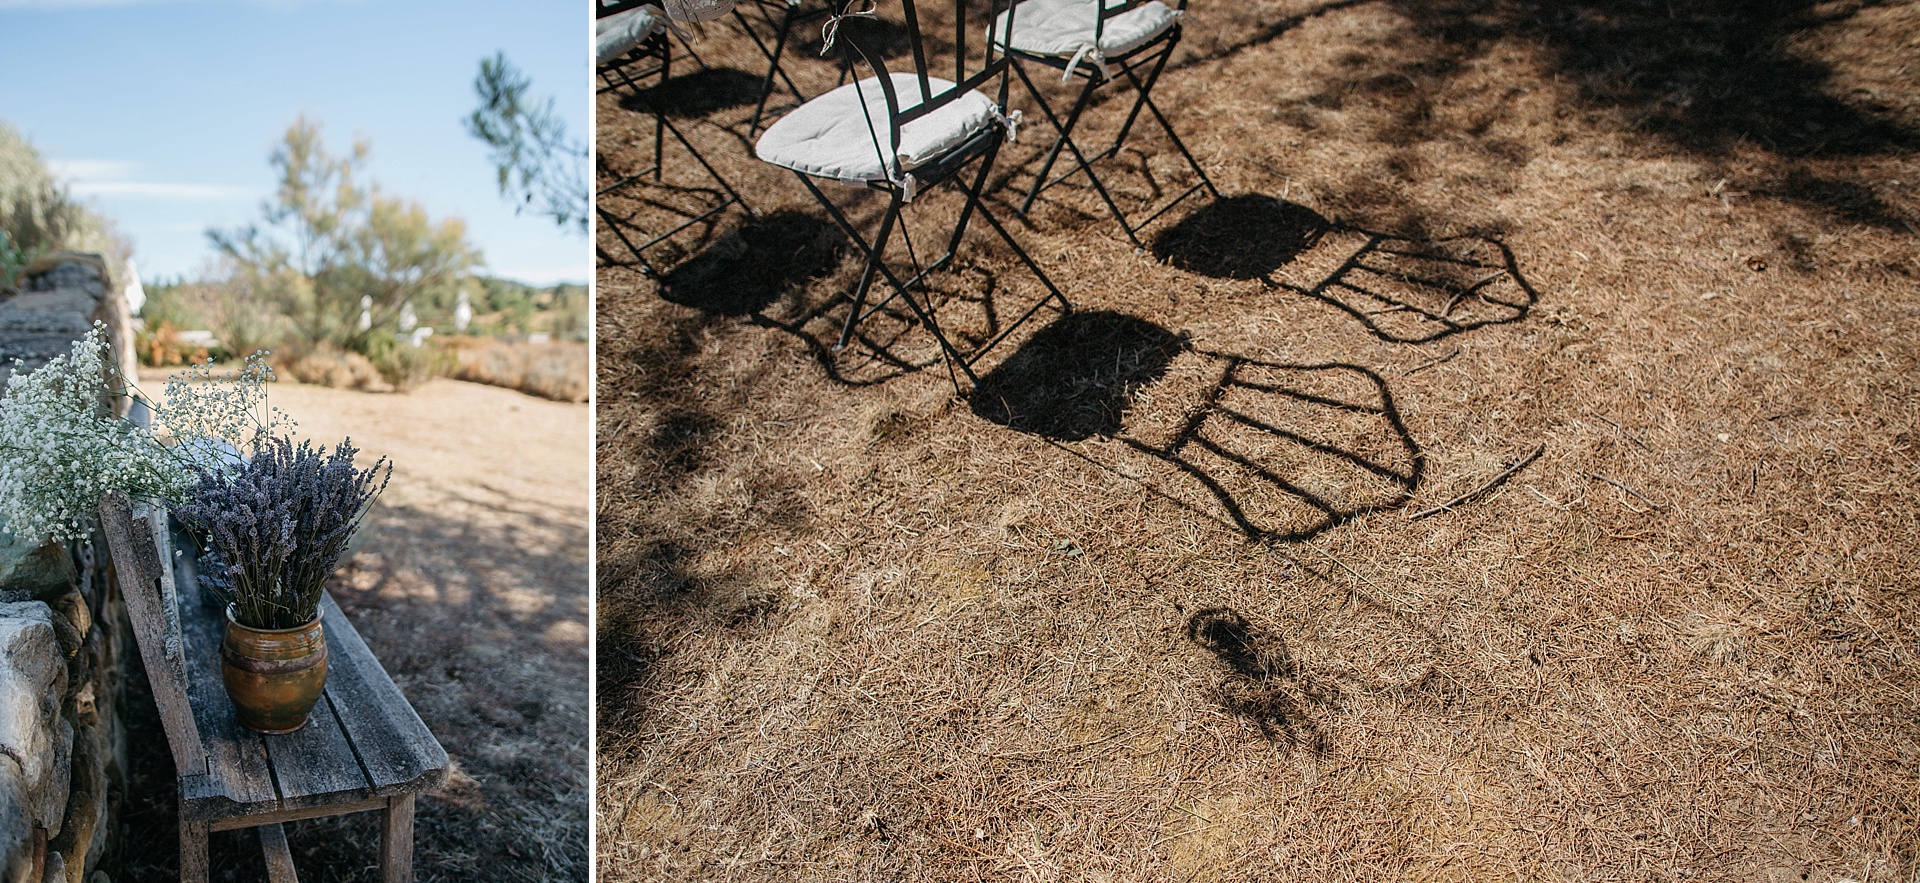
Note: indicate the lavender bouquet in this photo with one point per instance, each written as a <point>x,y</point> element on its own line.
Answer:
<point>275,527</point>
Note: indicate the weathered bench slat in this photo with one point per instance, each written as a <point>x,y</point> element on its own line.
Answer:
<point>397,751</point>
<point>273,842</point>
<point>134,541</point>
<point>316,761</point>
<point>239,779</point>
<point>362,741</point>
<point>363,749</point>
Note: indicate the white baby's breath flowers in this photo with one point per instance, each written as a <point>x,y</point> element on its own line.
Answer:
<point>61,449</point>
<point>231,408</point>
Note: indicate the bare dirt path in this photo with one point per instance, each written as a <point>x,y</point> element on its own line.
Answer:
<point>471,586</point>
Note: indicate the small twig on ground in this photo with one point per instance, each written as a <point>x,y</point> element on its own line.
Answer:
<point>1641,496</point>
<point>1342,564</point>
<point>1621,429</point>
<point>1490,485</point>
<point>1429,363</point>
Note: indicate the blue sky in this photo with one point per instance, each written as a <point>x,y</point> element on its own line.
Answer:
<point>162,113</point>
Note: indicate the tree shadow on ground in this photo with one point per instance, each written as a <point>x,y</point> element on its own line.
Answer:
<point>1705,74</point>
<point>1279,452</point>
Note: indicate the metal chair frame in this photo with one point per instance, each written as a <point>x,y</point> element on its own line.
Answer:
<point>780,16</point>
<point>1153,55</point>
<point>653,58</point>
<point>982,148</point>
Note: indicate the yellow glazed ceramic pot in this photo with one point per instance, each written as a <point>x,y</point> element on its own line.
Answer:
<point>274,676</point>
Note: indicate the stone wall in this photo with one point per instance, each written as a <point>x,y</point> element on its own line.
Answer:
<point>64,636</point>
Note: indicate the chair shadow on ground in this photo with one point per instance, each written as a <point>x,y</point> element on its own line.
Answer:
<point>696,94</point>
<point>1401,289</point>
<point>1279,452</point>
<point>636,209</point>
<point>766,271</point>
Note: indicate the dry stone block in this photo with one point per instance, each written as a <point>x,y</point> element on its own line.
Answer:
<point>33,573</point>
<point>35,739</point>
<point>16,824</point>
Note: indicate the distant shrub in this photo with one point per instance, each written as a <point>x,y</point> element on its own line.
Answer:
<point>161,347</point>
<point>556,370</point>
<point>323,365</point>
<point>12,261</point>
<point>405,366</point>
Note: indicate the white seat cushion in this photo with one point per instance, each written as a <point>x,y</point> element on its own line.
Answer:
<point>617,33</point>
<point>1065,27</point>
<point>828,137</point>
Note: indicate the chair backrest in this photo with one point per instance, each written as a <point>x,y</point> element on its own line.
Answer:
<point>137,539</point>
<point>968,73</point>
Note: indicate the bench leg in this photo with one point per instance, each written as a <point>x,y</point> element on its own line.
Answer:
<point>279,856</point>
<point>193,852</point>
<point>396,840</point>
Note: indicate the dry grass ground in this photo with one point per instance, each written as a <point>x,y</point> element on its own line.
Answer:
<point>471,588</point>
<point>1154,605</point>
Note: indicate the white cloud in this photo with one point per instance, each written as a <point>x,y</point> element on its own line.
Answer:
<point>119,178</point>
<point>531,274</point>
<point>83,169</point>
<point>160,190</point>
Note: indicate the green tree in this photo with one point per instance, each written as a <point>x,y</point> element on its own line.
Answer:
<point>532,155</point>
<point>329,239</point>
<point>38,215</point>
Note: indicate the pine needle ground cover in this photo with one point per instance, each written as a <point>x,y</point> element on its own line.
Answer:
<point>1512,478</point>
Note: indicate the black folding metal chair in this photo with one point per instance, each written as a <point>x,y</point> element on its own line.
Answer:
<point>771,24</point>
<point>904,134</point>
<point>633,54</point>
<point>1101,41</point>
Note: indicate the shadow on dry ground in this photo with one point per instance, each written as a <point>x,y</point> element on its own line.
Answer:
<point>854,628</point>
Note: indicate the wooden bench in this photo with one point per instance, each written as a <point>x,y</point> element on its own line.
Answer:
<point>364,748</point>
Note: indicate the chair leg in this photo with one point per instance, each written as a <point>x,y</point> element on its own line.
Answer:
<point>875,257</point>
<point>660,120</point>
<point>1146,99</point>
<point>1143,90</point>
<point>396,840</point>
<point>966,211</point>
<point>193,852</point>
<point>1063,130</point>
<point>773,63</point>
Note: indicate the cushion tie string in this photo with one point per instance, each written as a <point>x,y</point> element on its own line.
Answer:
<point>1091,53</point>
<point>830,31</point>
